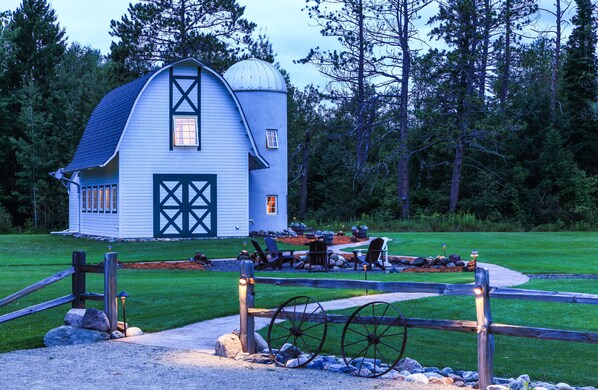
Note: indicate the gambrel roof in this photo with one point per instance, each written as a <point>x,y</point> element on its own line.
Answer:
<point>105,128</point>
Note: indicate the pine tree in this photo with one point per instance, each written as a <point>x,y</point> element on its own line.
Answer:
<point>580,88</point>
<point>160,31</point>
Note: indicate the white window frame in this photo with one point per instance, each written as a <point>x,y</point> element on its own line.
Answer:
<point>174,131</point>
<point>114,198</point>
<point>268,204</point>
<point>271,138</point>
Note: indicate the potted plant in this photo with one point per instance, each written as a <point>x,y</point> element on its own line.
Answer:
<point>298,227</point>
<point>362,232</point>
<point>328,237</point>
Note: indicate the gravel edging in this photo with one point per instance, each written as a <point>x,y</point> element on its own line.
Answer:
<point>111,365</point>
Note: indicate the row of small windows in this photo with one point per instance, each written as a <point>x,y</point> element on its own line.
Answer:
<point>99,199</point>
<point>186,133</point>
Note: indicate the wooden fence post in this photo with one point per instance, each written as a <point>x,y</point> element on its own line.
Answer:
<point>246,301</point>
<point>485,339</point>
<point>78,280</point>
<point>110,307</point>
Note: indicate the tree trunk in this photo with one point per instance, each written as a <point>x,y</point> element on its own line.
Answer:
<point>362,131</point>
<point>505,73</point>
<point>304,175</point>
<point>456,179</point>
<point>557,60</point>
<point>403,114</point>
<point>485,49</point>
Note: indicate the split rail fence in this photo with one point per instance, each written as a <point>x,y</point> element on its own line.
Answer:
<point>79,294</point>
<point>483,326</point>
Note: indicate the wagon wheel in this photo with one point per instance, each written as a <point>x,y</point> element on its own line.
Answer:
<point>297,331</point>
<point>374,339</point>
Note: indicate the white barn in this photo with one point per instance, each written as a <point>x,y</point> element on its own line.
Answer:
<point>184,152</point>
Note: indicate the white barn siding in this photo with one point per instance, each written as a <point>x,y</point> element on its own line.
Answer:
<point>96,223</point>
<point>145,151</point>
<point>74,204</point>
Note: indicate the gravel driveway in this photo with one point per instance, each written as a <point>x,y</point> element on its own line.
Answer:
<point>111,365</point>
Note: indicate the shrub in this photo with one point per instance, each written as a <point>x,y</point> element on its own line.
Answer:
<point>5,220</point>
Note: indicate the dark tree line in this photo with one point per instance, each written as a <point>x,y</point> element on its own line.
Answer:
<point>502,123</point>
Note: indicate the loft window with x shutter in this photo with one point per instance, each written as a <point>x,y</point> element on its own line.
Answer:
<point>185,131</point>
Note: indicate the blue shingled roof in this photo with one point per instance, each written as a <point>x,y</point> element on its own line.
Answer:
<point>105,126</point>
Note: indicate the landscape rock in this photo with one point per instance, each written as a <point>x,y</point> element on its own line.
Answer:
<point>418,262</point>
<point>441,381</point>
<point>470,376</point>
<point>261,358</point>
<point>459,263</point>
<point>342,368</point>
<point>117,334</point>
<point>96,320</point>
<point>260,343</point>
<point>292,363</point>
<point>433,375</point>
<point>459,383</point>
<point>316,364</point>
<point>544,385</point>
<point>446,371</point>
<point>408,364</point>
<point>288,351</point>
<point>299,265</point>
<point>497,387</point>
<point>74,317</point>
<point>134,331</point>
<point>392,374</point>
<point>418,378</point>
<point>562,386</point>
<point>454,258</point>
<point>228,345</point>
<point>70,335</point>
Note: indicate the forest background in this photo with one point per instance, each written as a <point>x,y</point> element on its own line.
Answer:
<point>499,126</point>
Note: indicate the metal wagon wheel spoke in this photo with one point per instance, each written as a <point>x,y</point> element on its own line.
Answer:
<point>377,351</point>
<point>301,324</point>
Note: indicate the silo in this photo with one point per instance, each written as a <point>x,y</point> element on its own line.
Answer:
<point>262,92</point>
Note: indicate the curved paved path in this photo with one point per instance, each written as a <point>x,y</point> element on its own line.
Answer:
<point>201,336</point>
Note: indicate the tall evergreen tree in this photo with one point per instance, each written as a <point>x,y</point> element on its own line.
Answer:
<point>35,42</point>
<point>580,88</point>
<point>158,31</point>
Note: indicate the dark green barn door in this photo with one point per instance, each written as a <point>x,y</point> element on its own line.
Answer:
<point>185,206</point>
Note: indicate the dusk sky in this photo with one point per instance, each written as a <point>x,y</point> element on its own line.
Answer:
<point>290,30</point>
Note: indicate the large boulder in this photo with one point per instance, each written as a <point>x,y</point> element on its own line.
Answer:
<point>96,320</point>
<point>74,317</point>
<point>228,345</point>
<point>70,335</point>
<point>260,344</point>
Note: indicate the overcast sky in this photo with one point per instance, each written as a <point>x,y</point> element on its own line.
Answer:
<point>290,30</point>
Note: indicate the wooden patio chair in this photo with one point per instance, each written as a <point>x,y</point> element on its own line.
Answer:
<point>319,255</point>
<point>263,262</point>
<point>274,251</point>
<point>374,253</point>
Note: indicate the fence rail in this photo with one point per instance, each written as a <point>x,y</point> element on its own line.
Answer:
<point>483,325</point>
<point>79,293</point>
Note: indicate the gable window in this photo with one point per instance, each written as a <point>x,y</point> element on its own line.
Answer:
<point>272,139</point>
<point>271,204</point>
<point>84,199</point>
<point>95,199</point>
<point>114,199</point>
<point>185,131</point>
<point>107,199</point>
<point>101,199</point>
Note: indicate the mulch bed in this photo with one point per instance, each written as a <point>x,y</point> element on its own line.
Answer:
<point>337,240</point>
<point>185,265</point>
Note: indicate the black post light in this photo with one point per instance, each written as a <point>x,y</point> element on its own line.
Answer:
<point>123,298</point>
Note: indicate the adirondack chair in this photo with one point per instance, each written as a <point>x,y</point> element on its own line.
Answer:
<point>274,251</point>
<point>319,255</point>
<point>374,253</point>
<point>263,262</point>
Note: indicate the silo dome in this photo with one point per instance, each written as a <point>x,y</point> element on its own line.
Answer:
<point>255,75</point>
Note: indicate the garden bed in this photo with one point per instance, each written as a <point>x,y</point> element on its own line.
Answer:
<point>337,240</point>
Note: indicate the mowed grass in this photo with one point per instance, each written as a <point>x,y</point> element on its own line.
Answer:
<point>164,299</point>
<point>546,360</point>
<point>554,252</point>
<point>44,249</point>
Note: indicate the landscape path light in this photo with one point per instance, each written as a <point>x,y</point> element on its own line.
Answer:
<point>123,299</point>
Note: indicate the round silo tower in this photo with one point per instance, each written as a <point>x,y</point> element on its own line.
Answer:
<point>262,92</point>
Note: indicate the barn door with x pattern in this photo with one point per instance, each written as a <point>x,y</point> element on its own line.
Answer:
<point>184,205</point>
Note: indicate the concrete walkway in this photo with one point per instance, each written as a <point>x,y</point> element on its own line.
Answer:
<point>201,336</point>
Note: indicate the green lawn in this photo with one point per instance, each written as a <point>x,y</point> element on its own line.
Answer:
<point>43,249</point>
<point>561,252</point>
<point>163,299</point>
